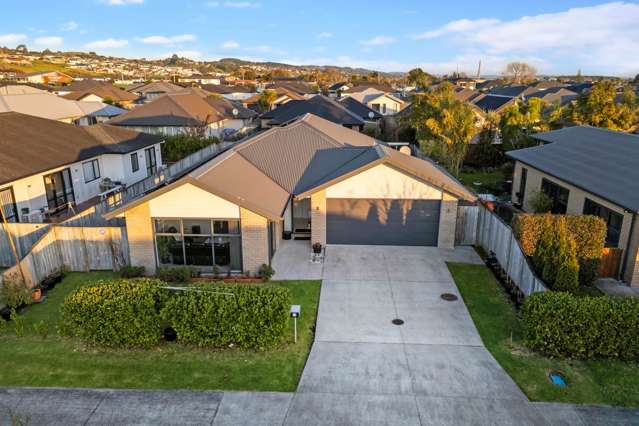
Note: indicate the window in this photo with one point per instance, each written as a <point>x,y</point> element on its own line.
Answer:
<point>613,219</point>
<point>8,210</point>
<point>135,165</point>
<point>558,194</point>
<point>151,165</point>
<point>522,186</point>
<point>203,243</point>
<point>91,170</point>
<point>59,190</point>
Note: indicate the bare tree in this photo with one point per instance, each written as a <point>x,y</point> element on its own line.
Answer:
<point>520,72</point>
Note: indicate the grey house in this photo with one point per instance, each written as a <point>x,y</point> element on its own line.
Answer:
<point>587,170</point>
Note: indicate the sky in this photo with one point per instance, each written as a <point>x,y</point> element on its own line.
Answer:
<point>556,36</point>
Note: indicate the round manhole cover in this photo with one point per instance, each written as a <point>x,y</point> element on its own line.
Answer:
<point>398,321</point>
<point>449,297</point>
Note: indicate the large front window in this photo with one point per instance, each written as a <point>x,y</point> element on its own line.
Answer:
<point>151,162</point>
<point>613,219</point>
<point>558,194</point>
<point>203,243</point>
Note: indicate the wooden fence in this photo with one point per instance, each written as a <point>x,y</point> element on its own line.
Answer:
<point>466,229</point>
<point>24,235</point>
<point>75,248</point>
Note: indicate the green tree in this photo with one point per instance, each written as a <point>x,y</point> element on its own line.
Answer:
<point>520,120</point>
<point>419,78</point>
<point>445,126</point>
<point>266,99</point>
<point>599,108</point>
<point>636,79</point>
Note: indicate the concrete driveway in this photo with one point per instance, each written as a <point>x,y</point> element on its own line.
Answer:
<point>433,369</point>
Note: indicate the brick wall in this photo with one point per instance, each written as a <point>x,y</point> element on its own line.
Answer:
<point>254,240</point>
<point>447,222</point>
<point>139,230</point>
<point>318,217</point>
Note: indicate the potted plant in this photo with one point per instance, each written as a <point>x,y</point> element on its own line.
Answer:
<point>36,294</point>
<point>317,248</point>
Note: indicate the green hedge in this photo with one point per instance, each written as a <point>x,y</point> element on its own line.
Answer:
<point>135,312</point>
<point>114,313</point>
<point>563,325</point>
<point>249,316</point>
<point>589,233</point>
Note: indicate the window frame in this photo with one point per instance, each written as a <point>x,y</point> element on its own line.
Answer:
<point>606,213</point>
<point>151,161</point>
<point>135,165</point>
<point>523,180</point>
<point>183,235</point>
<point>13,206</point>
<point>554,191</point>
<point>95,165</point>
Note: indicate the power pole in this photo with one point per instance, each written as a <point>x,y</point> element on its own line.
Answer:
<point>479,70</point>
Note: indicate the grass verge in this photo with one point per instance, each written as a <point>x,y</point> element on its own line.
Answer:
<point>61,362</point>
<point>606,382</point>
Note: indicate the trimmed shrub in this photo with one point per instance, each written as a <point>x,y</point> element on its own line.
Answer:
<point>563,325</point>
<point>540,202</point>
<point>589,233</point>
<point>176,274</point>
<point>132,271</point>
<point>114,313</point>
<point>41,328</point>
<point>14,293</point>
<point>266,272</point>
<point>555,257</point>
<point>247,316</point>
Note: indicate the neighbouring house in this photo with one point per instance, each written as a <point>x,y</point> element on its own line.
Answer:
<point>98,91</point>
<point>47,166</point>
<point>586,170</point>
<point>492,103</point>
<point>201,79</point>
<point>466,95</point>
<point>47,78</point>
<point>371,117</point>
<point>312,179</point>
<point>188,113</point>
<point>282,96</point>
<point>298,87</point>
<point>97,113</point>
<point>464,82</point>
<point>554,95</point>
<point>318,105</point>
<point>151,91</point>
<point>335,90</point>
<point>384,103</point>
<point>512,91</point>
<point>48,105</point>
<point>21,89</point>
<point>232,93</point>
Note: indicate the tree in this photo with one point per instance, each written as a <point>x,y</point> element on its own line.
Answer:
<point>636,79</point>
<point>599,108</point>
<point>266,99</point>
<point>445,126</point>
<point>520,72</point>
<point>419,78</point>
<point>22,48</point>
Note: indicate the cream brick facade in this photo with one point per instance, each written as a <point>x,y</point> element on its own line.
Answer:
<point>447,222</point>
<point>576,200</point>
<point>254,240</point>
<point>139,230</point>
<point>318,217</point>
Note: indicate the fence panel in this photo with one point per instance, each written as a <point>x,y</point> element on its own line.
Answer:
<point>77,248</point>
<point>466,229</point>
<point>494,235</point>
<point>24,235</point>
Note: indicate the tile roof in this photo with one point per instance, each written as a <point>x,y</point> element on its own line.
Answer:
<point>30,145</point>
<point>599,161</point>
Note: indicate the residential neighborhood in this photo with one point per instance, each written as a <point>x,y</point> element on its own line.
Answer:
<point>249,220</point>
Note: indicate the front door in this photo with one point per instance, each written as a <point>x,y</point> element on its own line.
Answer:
<point>59,189</point>
<point>302,217</point>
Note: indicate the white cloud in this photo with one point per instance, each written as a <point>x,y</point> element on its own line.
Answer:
<point>8,39</point>
<point>122,2</point>
<point>48,42</point>
<point>378,41</point>
<point>158,39</point>
<point>109,43</point>
<point>230,44</point>
<point>241,4</point>
<point>602,38</point>
<point>69,26</point>
<point>324,35</point>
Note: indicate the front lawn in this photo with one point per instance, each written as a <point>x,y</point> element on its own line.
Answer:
<point>489,180</point>
<point>62,362</point>
<point>590,382</point>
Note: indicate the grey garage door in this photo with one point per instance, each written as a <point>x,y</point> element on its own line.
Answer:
<point>382,222</point>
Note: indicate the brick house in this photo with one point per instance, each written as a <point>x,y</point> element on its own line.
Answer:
<point>311,179</point>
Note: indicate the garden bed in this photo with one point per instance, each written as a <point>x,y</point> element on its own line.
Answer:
<point>589,382</point>
<point>64,362</point>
